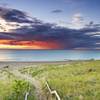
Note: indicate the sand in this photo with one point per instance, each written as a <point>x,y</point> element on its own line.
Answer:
<point>27,64</point>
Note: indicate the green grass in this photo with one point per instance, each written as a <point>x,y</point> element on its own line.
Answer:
<point>73,81</point>
<point>13,88</point>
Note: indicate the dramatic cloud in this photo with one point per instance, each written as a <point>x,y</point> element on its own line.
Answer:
<point>19,31</point>
<point>13,15</point>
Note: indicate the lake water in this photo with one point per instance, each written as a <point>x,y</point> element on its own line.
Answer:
<point>48,55</point>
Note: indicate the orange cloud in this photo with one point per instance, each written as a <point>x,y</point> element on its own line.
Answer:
<point>13,44</point>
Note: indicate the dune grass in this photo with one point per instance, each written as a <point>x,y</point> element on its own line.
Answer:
<point>13,88</point>
<point>73,81</point>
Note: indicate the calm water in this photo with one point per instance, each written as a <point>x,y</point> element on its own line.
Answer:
<point>47,55</point>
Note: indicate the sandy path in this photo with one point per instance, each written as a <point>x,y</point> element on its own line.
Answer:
<point>33,81</point>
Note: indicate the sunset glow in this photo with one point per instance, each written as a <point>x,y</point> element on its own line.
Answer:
<point>33,26</point>
<point>11,44</point>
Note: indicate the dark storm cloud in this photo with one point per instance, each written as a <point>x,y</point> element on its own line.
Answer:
<point>69,38</point>
<point>40,31</point>
<point>13,15</point>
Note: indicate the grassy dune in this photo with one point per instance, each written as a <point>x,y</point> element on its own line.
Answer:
<point>13,88</point>
<point>76,80</point>
<point>73,81</point>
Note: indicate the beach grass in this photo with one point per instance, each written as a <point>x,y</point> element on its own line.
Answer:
<point>13,88</point>
<point>78,80</point>
<point>73,80</point>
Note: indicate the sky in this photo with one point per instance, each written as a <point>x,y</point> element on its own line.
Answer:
<point>49,24</point>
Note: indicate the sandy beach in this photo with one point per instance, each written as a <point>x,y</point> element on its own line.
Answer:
<point>14,64</point>
<point>27,64</point>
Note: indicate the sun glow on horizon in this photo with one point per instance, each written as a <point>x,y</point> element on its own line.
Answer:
<point>12,44</point>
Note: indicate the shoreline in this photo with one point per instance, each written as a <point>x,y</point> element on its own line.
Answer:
<point>66,60</point>
<point>20,64</point>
